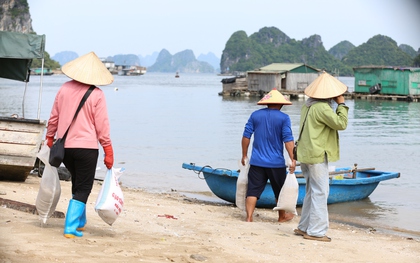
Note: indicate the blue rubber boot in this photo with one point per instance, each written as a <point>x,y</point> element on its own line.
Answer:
<point>74,212</point>
<point>82,222</point>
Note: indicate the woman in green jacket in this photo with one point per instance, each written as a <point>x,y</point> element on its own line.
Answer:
<point>318,145</point>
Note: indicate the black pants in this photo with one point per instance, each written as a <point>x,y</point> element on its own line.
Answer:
<point>81,164</point>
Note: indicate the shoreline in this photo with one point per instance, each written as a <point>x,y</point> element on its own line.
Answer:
<point>209,199</point>
<point>172,227</point>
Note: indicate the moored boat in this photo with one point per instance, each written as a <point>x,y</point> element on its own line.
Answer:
<point>39,71</point>
<point>346,184</point>
<point>20,137</point>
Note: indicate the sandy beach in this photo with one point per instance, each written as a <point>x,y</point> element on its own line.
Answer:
<point>170,227</point>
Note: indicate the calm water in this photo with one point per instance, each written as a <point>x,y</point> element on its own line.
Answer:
<point>159,122</point>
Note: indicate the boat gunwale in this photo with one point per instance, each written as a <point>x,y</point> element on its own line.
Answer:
<point>382,175</point>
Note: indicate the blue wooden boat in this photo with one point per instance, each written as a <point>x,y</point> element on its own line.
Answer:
<point>346,184</point>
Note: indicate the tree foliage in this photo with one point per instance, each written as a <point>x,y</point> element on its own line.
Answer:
<point>409,50</point>
<point>20,8</point>
<point>341,49</point>
<point>270,45</point>
<point>417,61</point>
<point>379,50</point>
<point>48,62</point>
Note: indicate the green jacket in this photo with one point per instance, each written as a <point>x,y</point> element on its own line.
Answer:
<point>320,133</point>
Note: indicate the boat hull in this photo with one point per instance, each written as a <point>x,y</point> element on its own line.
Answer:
<point>20,140</point>
<point>222,183</point>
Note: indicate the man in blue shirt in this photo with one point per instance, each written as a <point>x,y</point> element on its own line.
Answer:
<point>271,129</point>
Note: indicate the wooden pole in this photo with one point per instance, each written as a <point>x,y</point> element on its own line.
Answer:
<point>24,207</point>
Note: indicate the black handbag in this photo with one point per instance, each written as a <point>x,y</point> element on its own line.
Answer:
<point>57,149</point>
<point>295,151</point>
<point>57,152</point>
<point>295,156</point>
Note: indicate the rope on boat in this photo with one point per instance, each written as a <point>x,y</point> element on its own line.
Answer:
<point>208,166</point>
<point>201,170</point>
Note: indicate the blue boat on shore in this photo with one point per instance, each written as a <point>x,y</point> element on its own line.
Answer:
<point>346,184</point>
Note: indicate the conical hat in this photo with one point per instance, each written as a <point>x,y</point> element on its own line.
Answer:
<point>274,97</point>
<point>325,86</point>
<point>88,69</point>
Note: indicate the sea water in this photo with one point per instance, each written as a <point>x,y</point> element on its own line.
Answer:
<point>159,122</point>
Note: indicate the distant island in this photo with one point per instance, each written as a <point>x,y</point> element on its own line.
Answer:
<point>270,45</point>
<point>183,62</point>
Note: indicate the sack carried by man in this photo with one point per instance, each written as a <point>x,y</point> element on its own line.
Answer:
<point>242,185</point>
<point>288,195</point>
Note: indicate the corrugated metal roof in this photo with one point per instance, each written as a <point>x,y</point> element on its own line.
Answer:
<point>413,69</point>
<point>280,68</point>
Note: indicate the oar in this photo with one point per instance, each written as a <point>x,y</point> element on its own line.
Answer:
<point>351,171</point>
<point>354,171</point>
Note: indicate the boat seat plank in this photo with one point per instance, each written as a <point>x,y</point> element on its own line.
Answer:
<point>17,149</point>
<point>14,137</point>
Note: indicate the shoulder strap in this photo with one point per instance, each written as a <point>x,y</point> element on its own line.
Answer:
<point>88,92</point>
<point>303,124</point>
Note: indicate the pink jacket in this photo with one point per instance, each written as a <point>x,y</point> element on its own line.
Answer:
<point>91,124</point>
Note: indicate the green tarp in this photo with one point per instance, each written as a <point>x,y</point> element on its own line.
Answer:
<point>16,53</point>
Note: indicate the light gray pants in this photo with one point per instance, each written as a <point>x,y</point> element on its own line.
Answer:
<point>314,218</point>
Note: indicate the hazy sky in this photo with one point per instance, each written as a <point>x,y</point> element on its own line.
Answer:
<point>110,27</point>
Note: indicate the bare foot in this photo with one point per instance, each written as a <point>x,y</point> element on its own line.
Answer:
<point>286,217</point>
<point>249,219</point>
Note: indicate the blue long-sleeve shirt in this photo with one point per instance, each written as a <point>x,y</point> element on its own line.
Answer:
<point>271,129</point>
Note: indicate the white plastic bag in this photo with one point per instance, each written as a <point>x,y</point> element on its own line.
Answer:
<point>110,201</point>
<point>288,195</point>
<point>242,185</point>
<point>49,188</point>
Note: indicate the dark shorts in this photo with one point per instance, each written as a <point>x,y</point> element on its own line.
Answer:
<point>258,177</point>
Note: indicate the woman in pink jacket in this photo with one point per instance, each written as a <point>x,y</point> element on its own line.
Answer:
<point>90,127</point>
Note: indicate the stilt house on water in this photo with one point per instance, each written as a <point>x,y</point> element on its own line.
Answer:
<point>282,76</point>
<point>386,80</point>
<point>234,86</point>
<point>289,78</point>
